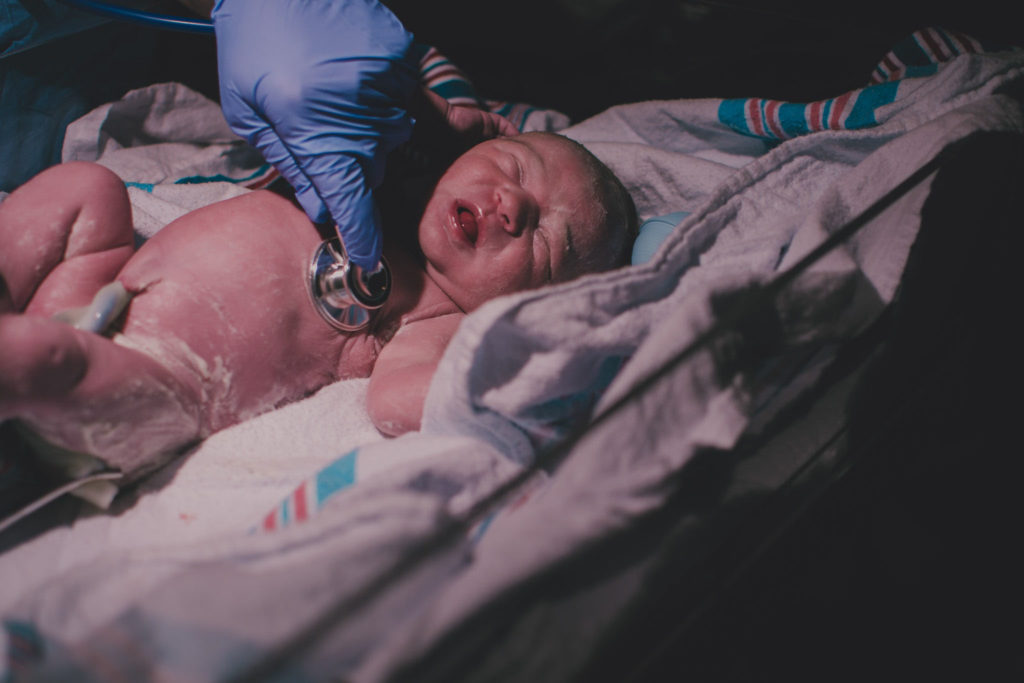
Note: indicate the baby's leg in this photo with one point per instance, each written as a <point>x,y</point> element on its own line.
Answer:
<point>85,393</point>
<point>63,235</point>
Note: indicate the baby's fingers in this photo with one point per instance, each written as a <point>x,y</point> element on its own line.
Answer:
<point>502,126</point>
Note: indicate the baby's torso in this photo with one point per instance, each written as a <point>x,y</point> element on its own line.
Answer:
<point>221,298</point>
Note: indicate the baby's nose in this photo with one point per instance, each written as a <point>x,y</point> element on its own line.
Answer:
<point>516,209</point>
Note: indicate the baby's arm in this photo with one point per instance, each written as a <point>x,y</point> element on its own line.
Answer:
<point>402,374</point>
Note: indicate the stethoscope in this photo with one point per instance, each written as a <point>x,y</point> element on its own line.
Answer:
<point>344,294</point>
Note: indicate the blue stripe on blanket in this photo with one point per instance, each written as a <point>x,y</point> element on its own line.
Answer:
<point>910,53</point>
<point>789,119</point>
<point>339,475</point>
<point>25,646</point>
<point>793,118</point>
<point>455,89</point>
<point>219,177</point>
<point>921,71</point>
<point>870,99</point>
<point>733,114</point>
<point>199,179</point>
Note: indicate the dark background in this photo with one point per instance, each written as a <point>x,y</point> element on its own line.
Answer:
<point>581,56</point>
<point>576,56</point>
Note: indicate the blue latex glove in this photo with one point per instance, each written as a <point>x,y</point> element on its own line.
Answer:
<point>322,88</point>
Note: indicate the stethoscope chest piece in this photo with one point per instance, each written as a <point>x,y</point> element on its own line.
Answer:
<point>343,293</point>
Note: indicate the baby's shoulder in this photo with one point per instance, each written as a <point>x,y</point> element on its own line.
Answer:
<point>423,338</point>
<point>444,323</point>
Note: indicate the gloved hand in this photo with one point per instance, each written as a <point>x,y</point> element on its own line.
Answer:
<point>322,88</point>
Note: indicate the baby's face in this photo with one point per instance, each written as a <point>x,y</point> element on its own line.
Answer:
<point>511,214</point>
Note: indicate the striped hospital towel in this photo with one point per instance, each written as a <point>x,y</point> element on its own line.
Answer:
<point>920,54</point>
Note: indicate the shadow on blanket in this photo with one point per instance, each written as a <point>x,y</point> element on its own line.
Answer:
<point>909,561</point>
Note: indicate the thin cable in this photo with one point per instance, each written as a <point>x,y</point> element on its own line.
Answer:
<point>53,495</point>
<point>163,21</point>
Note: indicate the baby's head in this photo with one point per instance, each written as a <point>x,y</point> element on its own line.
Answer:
<point>519,212</point>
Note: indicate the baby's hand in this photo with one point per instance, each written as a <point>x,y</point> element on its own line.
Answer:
<point>467,126</point>
<point>476,125</point>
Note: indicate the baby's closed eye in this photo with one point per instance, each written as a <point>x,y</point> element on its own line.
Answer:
<point>547,253</point>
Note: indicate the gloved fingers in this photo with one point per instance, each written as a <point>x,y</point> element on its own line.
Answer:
<point>345,198</point>
<point>276,153</point>
<point>360,232</point>
<point>342,185</point>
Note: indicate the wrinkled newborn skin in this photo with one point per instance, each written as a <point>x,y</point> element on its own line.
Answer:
<point>221,327</point>
<point>247,339</point>
<point>246,289</point>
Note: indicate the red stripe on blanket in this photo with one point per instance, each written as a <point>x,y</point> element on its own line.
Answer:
<point>891,66</point>
<point>429,55</point>
<point>837,110</point>
<point>270,521</point>
<point>446,72</point>
<point>965,42</point>
<point>935,45</point>
<point>301,514</point>
<point>814,116</point>
<point>754,112</point>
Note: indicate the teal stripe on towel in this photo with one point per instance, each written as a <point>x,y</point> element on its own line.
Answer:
<point>793,118</point>
<point>219,177</point>
<point>455,88</point>
<point>339,475</point>
<point>733,114</point>
<point>870,99</point>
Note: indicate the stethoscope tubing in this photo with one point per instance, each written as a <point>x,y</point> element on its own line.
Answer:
<point>163,21</point>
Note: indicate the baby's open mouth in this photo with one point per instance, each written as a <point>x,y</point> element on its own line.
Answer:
<point>467,221</point>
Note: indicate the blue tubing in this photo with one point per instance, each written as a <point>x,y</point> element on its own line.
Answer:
<point>165,21</point>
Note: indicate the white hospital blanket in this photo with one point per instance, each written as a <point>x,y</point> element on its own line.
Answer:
<point>172,148</point>
<point>522,372</point>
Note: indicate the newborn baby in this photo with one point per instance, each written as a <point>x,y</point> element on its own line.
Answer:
<point>220,326</point>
